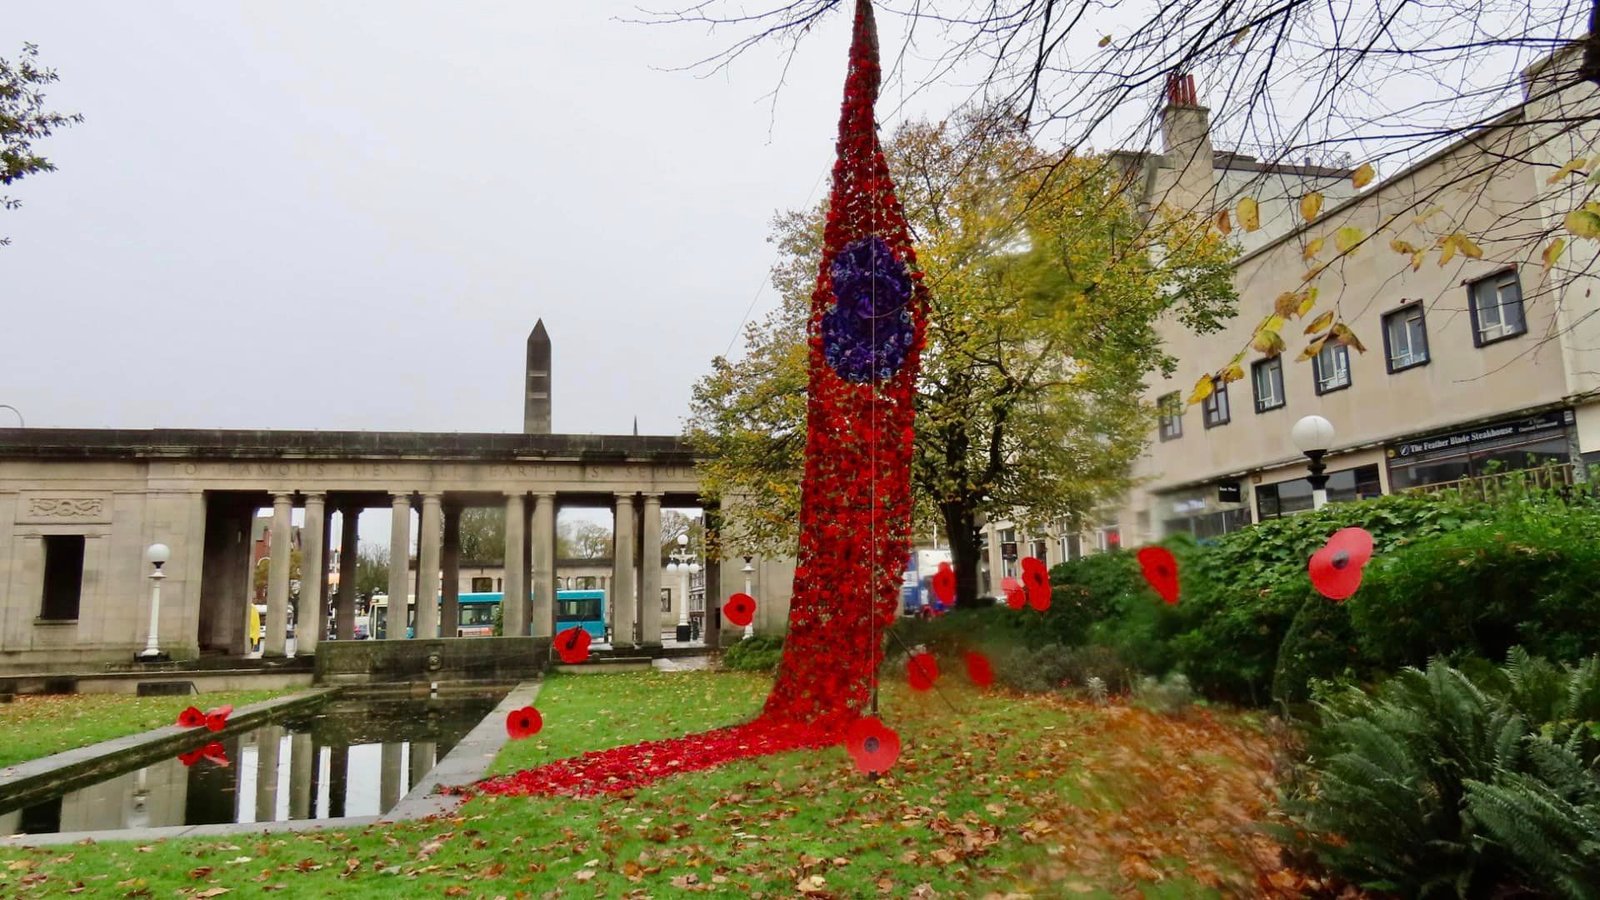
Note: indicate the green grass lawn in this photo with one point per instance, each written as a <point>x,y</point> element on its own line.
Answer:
<point>35,726</point>
<point>1002,795</point>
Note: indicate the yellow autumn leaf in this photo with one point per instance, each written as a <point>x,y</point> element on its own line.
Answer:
<point>1314,272</point>
<point>1105,41</point>
<point>1400,246</point>
<point>1222,223</point>
<point>1286,304</point>
<point>1575,165</point>
<point>1320,323</point>
<point>1348,238</point>
<point>1231,374</point>
<point>1363,176</point>
<point>1267,342</point>
<point>1310,205</point>
<point>1423,217</point>
<point>1416,260</point>
<point>1447,251</point>
<point>1312,349</point>
<point>1249,214</point>
<point>1313,247</point>
<point>1307,302</point>
<point>1553,252</point>
<point>1583,223</point>
<point>1202,389</point>
<point>1464,245</point>
<point>1342,333</point>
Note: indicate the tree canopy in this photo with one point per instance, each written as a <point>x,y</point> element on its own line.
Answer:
<point>24,120</point>
<point>1046,289</point>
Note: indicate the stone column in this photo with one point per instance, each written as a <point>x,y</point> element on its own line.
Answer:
<point>389,777</point>
<point>450,577</point>
<point>544,565</point>
<point>422,759</point>
<point>650,573</point>
<point>514,603</point>
<point>313,574</point>
<point>428,567</point>
<point>269,737</point>
<point>301,783</point>
<point>277,624</point>
<point>399,557</point>
<point>711,630</point>
<point>338,780</point>
<point>349,556</point>
<point>622,597</point>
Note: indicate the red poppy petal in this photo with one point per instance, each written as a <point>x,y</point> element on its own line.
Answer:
<point>572,645</point>
<point>740,609</point>
<point>922,670</point>
<point>1016,594</point>
<point>979,669</point>
<point>524,722</point>
<point>1039,596</point>
<point>190,758</point>
<point>944,583</point>
<point>874,746</point>
<point>1337,568</point>
<point>191,718</point>
<point>1160,569</point>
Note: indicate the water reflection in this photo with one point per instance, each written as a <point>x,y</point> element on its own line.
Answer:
<point>352,759</point>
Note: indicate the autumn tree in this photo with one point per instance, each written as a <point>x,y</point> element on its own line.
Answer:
<point>483,534</point>
<point>372,570</point>
<point>24,120</point>
<point>1046,288</point>
<point>582,539</point>
<point>1373,88</point>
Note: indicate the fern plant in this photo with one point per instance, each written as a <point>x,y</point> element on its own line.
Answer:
<point>1439,784</point>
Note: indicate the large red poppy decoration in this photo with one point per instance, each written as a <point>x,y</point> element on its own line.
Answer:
<point>191,718</point>
<point>1016,594</point>
<point>217,719</point>
<point>922,670</point>
<point>1036,582</point>
<point>572,645</point>
<point>1336,568</point>
<point>944,584</point>
<point>873,745</point>
<point>740,609</point>
<point>213,752</point>
<point>523,723</point>
<point>1160,568</point>
<point>979,669</point>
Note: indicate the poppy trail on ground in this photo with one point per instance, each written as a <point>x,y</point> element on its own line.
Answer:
<point>1336,569</point>
<point>1160,569</point>
<point>865,336</point>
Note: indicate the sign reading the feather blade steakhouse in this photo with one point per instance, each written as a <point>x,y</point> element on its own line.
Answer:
<point>1554,420</point>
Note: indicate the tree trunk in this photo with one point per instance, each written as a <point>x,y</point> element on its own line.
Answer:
<point>966,552</point>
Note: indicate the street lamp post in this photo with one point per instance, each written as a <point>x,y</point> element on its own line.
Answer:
<point>1314,435</point>
<point>156,555</point>
<point>749,630</point>
<point>683,564</point>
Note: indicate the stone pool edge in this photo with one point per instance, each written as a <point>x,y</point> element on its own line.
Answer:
<point>38,778</point>
<point>466,762</point>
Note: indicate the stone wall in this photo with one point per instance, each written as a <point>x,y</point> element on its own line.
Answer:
<point>501,659</point>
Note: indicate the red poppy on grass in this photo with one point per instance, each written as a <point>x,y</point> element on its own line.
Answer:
<point>922,670</point>
<point>1336,568</point>
<point>740,609</point>
<point>1161,570</point>
<point>1016,594</point>
<point>217,719</point>
<point>524,722</point>
<point>944,583</point>
<point>572,645</point>
<point>191,718</point>
<point>1036,582</point>
<point>874,746</point>
<point>979,669</point>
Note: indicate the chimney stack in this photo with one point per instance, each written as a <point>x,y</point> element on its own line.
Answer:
<point>1188,180</point>
<point>536,390</point>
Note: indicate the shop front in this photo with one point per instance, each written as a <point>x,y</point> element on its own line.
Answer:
<point>1205,512</point>
<point>1526,442</point>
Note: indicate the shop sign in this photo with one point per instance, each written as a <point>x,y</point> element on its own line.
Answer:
<point>1467,439</point>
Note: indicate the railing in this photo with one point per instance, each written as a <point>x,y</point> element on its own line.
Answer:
<point>1502,485</point>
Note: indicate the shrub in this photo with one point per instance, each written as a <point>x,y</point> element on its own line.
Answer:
<point>760,653</point>
<point>1438,783</point>
<point>1168,696</point>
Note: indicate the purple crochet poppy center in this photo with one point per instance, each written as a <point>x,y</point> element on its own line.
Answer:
<point>868,333</point>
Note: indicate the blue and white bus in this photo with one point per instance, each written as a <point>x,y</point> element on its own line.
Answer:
<point>586,609</point>
<point>916,586</point>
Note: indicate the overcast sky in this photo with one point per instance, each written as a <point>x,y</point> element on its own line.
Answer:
<point>349,215</point>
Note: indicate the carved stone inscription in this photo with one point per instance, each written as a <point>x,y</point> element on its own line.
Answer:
<point>47,509</point>
<point>453,475</point>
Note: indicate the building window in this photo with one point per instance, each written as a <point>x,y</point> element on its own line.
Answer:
<point>1214,409</point>
<point>1277,500</point>
<point>1496,304</point>
<point>1071,547</point>
<point>1405,338</point>
<point>1331,366</point>
<point>1110,538</point>
<point>1267,376</point>
<point>63,577</point>
<point>1170,406</point>
<point>500,584</point>
<point>482,585</point>
<point>1038,550</point>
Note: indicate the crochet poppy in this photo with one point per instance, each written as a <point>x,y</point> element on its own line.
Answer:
<point>1160,568</point>
<point>1036,583</point>
<point>1336,568</point>
<point>191,718</point>
<point>740,609</point>
<point>212,752</point>
<point>1016,594</point>
<point>922,670</point>
<point>190,758</point>
<point>217,719</point>
<point>524,722</point>
<point>874,746</point>
<point>572,645</point>
<point>944,584</point>
<point>979,669</point>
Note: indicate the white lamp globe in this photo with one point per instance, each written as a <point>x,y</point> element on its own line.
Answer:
<point>683,541</point>
<point>157,554</point>
<point>1312,434</point>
